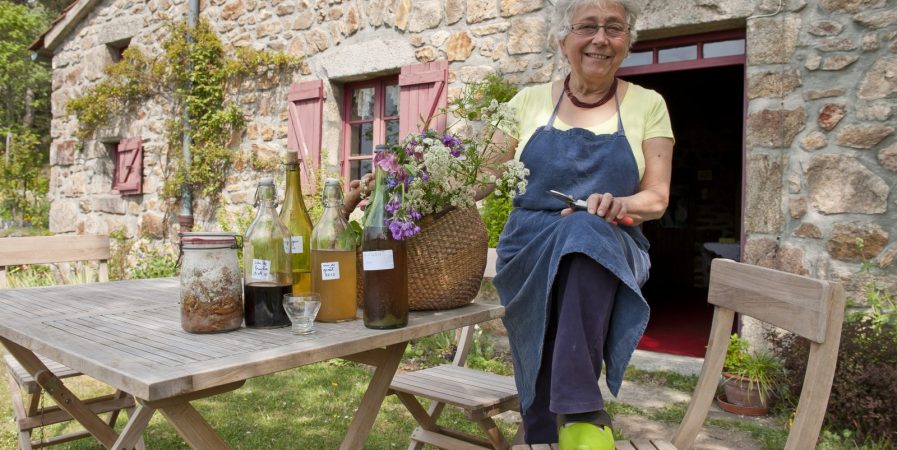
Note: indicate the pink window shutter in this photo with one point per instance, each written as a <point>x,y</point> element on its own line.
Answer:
<point>306,106</point>
<point>129,167</point>
<point>423,94</point>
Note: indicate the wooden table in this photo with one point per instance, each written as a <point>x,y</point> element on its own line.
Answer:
<point>128,334</point>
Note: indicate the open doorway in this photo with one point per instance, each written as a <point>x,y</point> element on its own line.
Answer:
<point>706,107</point>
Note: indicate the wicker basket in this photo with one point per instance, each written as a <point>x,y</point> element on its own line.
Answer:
<point>445,261</point>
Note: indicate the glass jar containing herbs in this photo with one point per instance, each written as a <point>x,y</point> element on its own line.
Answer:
<point>211,283</point>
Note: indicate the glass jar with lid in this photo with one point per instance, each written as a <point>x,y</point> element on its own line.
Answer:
<point>211,283</point>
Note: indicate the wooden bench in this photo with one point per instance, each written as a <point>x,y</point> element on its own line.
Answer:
<point>813,309</point>
<point>479,395</point>
<point>25,392</point>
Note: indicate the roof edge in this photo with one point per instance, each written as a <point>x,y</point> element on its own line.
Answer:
<point>59,29</point>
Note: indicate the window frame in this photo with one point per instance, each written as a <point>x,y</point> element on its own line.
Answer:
<point>698,40</point>
<point>378,120</point>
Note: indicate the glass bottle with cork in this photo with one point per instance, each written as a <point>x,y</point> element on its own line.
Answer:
<point>333,258</point>
<point>267,274</point>
<point>384,263</point>
<point>295,216</point>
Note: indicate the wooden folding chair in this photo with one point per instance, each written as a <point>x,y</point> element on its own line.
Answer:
<point>813,309</point>
<point>480,396</point>
<point>25,392</point>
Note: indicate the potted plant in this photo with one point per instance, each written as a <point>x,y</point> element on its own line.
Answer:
<point>749,378</point>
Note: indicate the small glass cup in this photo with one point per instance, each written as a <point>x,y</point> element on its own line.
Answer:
<point>302,309</point>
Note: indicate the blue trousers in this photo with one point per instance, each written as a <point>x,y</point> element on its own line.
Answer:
<point>567,383</point>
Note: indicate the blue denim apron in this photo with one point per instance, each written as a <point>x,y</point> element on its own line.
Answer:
<point>577,162</point>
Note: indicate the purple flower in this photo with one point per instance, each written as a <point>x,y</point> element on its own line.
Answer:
<point>393,205</point>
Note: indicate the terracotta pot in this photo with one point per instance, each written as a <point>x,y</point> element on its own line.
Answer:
<point>741,410</point>
<point>740,394</point>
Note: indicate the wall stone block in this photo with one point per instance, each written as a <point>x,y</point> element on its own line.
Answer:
<point>816,94</point>
<point>886,258</point>
<point>63,152</point>
<point>459,46</point>
<point>797,206</point>
<point>318,41</point>
<point>842,244</point>
<point>775,128</point>
<point>841,184</point>
<point>515,7</point>
<point>491,28</point>
<point>152,225</point>
<point>849,6</point>
<point>814,140</point>
<point>813,62</point>
<point>874,111</point>
<point>425,15</point>
<point>791,259</point>
<point>876,19</point>
<point>887,157</point>
<point>63,215</point>
<point>526,35</point>
<point>481,10</point>
<point>870,42</point>
<point>403,14</point>
<point>838,62</point>
<point>233,10</point>
<point>837,45</point>
<point>773,84</point>
<point>763,203</point>
<point>880,81</point>
<point>470,74</point>
<point>830,115</point>
<point>772,40</point>
<point>439,37</point>
<point>426,54</point>
<point>808,230</point>
<point>863,136</point>
<point>825,28</point>
<point>454,11</point>
<point>760,252</point>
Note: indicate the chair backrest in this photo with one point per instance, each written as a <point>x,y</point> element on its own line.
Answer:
<point>465,334</point>
<point>811,308</point>
<point>54,249</point>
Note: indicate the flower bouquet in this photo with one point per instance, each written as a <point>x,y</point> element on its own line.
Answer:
<point>433,181</point>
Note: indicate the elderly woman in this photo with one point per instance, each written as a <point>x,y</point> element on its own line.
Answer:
<point>569,278</point>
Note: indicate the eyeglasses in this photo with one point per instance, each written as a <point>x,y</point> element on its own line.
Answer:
<point>613,30</point>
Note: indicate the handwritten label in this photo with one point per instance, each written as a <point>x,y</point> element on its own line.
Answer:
<point>261,270</point>
<point>286,245</point>
<point>297,245</point>
<point>377,260</point>
<point>330,271</point>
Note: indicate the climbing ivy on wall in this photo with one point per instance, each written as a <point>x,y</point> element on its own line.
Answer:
<point>199,79</point>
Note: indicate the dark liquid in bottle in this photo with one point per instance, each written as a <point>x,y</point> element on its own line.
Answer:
<point>263,305</point>
<point>385,291</point>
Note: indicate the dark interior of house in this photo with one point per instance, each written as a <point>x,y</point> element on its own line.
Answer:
<point>707,112</point>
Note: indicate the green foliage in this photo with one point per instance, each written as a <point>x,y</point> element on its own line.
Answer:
<point>153,263</point>
<point>24,84</point>
<point>479,96</point>
<point>121,246</point>
<point>663,378</point>
<point>761,368</point>
<point>864,396</point>
<point>23,181</point>
<point>495,214</point>
<point>197,76</point>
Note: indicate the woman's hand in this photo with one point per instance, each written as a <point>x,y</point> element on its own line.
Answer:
<point>613,209</point>
<point>357,190</point>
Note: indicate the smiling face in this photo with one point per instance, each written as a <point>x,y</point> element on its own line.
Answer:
<point>596,58</point>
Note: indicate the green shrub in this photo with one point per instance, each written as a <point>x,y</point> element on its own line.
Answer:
<point>495,213</point>
<point>153,264</point>
<point>864,394</point>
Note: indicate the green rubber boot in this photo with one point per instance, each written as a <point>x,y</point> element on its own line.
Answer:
<point>585,436</point>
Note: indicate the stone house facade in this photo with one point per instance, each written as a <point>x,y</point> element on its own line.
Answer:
<point>811,166</point>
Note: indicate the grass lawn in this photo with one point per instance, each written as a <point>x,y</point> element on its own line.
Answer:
<point>305,408</point>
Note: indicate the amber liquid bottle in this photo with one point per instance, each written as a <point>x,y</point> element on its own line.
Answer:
<point>333,259</point>
<point>385,266</point>
<point>266,264</point>
<point>295,216</point>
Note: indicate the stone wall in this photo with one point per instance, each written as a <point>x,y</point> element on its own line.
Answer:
<point>821,93</point>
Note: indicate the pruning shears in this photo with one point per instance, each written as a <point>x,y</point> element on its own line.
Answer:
<point>582,205</point>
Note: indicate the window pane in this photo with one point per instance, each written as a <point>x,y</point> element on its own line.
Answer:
<point>392,132</point>
<point>358,169</point>
<point>724,48</point>
<point>362,139</point>
<point>678,54</point>
<point>638,59</point>
<point>362,104</point>
<point>392,100</point>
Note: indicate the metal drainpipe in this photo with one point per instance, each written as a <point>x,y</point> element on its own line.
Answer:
<point>185,218</point>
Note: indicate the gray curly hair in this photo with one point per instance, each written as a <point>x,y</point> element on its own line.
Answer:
<point>565,9</point>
